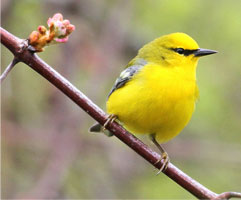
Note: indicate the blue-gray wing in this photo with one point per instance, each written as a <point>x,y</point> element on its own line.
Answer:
<point>125,76</point>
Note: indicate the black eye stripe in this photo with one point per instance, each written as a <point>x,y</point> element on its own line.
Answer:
<point>188,52</point>
<point>185,52</point>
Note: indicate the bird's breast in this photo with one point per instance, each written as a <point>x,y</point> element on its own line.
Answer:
<point>155,101</point>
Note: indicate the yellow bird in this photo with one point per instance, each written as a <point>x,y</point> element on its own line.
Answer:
<point>157,92</point>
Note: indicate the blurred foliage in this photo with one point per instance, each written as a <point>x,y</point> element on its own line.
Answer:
<point>47,151</point>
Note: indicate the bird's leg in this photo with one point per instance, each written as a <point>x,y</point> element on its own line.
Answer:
<point>164,155</point>
<point>110,119</point>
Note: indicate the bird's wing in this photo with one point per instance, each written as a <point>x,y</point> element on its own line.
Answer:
<point>127,74</point>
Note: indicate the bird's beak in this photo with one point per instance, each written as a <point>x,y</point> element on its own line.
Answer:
<point>203,52</point>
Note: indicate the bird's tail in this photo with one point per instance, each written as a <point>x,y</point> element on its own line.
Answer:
<point>96,128</point>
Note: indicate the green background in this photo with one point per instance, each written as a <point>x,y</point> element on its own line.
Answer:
<point>47,151</point>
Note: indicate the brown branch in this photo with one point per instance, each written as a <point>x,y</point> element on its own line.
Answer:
<point>32,60</point>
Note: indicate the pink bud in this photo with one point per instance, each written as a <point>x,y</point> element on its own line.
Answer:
<point>42,29</point>
<point>66,22</point>
<point>58,31</point>
<point>62,40</point>
<point>58,16</point>
<point>71,28</point>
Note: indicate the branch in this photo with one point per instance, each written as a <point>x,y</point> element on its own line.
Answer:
<point>32,60</point>
<point>228,195</point>
<point>8,69</point>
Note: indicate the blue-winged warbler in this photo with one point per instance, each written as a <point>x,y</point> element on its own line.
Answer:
<point>157,92</point>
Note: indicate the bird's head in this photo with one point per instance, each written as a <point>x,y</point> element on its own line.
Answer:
<point>174,50</point>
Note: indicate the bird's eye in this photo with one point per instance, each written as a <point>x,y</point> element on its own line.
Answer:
<point>179,50</point>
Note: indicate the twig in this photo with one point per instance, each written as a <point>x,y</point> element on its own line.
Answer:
<point>228,195</point>
<point>8,69</point>
<point>99,115</point>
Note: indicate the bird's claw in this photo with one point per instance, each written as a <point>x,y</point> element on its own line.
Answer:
<point>166,160</point>
<point>110,119</point>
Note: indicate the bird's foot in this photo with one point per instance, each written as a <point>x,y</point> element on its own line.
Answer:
<point>166,160</point>
<point>109,119</point>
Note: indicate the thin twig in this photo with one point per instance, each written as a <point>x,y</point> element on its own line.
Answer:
<point>228,195</point>
<point>8,69</point>
<point>33,61</point>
